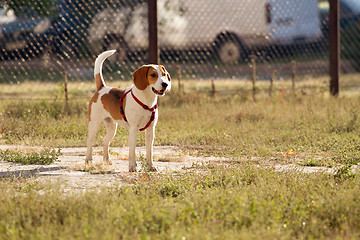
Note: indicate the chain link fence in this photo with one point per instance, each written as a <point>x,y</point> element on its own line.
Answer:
<point>42,39</point>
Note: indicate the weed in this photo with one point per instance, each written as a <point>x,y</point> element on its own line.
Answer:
<point>46,156</point>
<point>313,162</point>
<point>344,173</point>
<point>92,168</point>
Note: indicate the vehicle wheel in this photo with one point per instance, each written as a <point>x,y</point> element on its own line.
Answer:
<point>229,51</point>
<point>118,43</point>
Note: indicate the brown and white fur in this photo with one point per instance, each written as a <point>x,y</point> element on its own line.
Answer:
<point>149,82</point>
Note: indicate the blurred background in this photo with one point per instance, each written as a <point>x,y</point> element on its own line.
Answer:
<point>40,40</point>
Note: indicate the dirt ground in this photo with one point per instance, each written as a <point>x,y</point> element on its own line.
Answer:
<point>72,173</point>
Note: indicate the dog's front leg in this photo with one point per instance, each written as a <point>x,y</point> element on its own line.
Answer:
<point>149,142</point>
<point>132,145</point>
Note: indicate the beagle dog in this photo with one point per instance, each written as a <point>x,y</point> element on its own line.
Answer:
<point>134,108</point>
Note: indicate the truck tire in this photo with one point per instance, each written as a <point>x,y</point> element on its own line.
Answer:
<point>228,48</point>
<point>229,52</point>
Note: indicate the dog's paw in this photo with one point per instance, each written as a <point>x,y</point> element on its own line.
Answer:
<point>132,168</point>
<point>153,169</point>
<point>107,161</point>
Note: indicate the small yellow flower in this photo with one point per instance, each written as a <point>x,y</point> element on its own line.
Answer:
<point>289,152</point>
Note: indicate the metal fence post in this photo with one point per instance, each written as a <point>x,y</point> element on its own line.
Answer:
<point>253,76</point>
<point>153,37</point>
<point>213,91</point>
<point>293,75</point>
<point>272,79</point>
<point>67,109</point>
<point>178,70</point>
<point>334,42</point>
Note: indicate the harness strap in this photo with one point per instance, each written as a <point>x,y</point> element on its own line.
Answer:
<point>122,111</point>
<point>152,110</point>
<point>149,122</point>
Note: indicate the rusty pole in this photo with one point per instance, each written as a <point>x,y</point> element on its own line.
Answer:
<point>67,109</point>
<point>272,79</point>
<point>293,75</point>
<point>153,36</point>
<point>334,43</point>
<point>253,76</point>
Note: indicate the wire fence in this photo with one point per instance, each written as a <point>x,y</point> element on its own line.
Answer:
<point>42,40</point>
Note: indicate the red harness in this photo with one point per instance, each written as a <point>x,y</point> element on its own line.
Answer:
<point>152,110</point>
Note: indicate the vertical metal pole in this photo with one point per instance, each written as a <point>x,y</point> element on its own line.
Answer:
<point>67,108</point>
<point>272,82</point>
<point>179,78</point>
<point>65,87</point>
<point>334,42</point>
<point>212,88</point>
<point>253,76</point>
<point>293,75</point>
<point>153,37</point>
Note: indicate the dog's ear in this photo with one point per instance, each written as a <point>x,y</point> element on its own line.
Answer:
<point>168,76</point>
<point>163,70</point>
<point>140,77</point>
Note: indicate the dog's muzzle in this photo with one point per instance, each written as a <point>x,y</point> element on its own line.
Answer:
<point>158,92</point>
<point>162,91</point>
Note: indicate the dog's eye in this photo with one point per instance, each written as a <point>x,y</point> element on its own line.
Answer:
<point>153,75</point>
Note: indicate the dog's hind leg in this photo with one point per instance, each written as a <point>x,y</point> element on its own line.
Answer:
<point>93,128</point>
<point>111,127</point>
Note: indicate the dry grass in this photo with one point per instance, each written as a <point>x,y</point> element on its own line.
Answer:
<point>234,201</point>
<point>93,168</point>
<point>315,126</point>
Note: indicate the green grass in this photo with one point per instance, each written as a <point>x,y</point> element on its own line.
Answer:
<point>46,156</point>
<point>319,129</point>
<point>239,201</point>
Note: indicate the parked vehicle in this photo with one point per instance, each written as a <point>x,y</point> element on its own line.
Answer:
<point>350,45</point>
<point>37,27</point>
<point>293,22</point>
<point>6,15</point>
<point>15,35</point>
<point>239,28</point>
<point>349,14</point>
<point>349,29</point>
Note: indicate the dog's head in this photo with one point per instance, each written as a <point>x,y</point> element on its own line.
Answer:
<point>153,76</point>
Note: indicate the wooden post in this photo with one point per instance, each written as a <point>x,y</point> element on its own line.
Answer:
<point>334,44</point>
<point>153,32</point>
<point>65,87</point>
<point>212,87</point>
<point>66,92</point>
<point>253,76</point>
<point>293,75</point>
<point>178,71</point>
<point>272,82</point>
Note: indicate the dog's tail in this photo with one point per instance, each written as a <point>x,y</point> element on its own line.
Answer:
<point>98,68</point>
